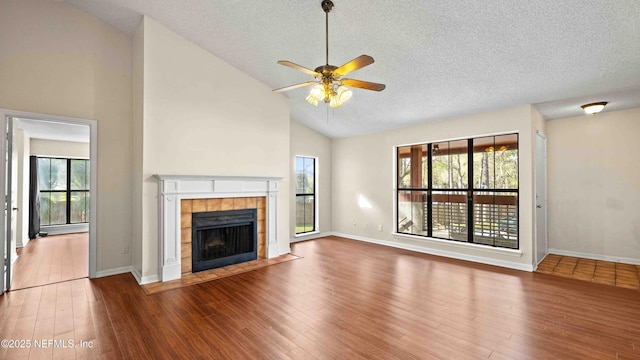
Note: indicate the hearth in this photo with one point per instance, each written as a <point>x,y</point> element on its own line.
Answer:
<point>221,238</point>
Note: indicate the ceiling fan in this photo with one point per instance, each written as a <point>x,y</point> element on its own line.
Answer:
<point>330,86</point>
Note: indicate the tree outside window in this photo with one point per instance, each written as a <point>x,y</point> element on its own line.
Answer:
<point>64,190</point>
<point>460,190</point>
<point>305,194</point>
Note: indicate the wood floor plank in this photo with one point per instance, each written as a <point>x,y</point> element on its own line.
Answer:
<point>51,259</point>
<point>342,300</point>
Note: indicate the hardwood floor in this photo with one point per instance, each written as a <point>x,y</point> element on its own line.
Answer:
<point>51,259</point>
<point>343,300</point>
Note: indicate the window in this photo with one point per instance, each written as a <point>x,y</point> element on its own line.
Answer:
<point>462,190</point>
<point>305,195</point>
<point>64,191</point>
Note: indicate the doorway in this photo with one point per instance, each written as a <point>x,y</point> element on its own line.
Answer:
<point>542,246</point>
<point>52,136</point>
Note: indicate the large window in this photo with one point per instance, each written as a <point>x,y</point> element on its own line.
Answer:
<point>462,190</point>
<point>64,191</point>
<point>305,194</point>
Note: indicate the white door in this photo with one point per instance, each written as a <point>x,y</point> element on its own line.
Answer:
<point>541,197</point>
<point>5,242</point>
<point>8,217</point>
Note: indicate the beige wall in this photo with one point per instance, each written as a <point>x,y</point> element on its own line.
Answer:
<point>307,142</point>
<point>65,149</point>
<point>594,184</point>
<point>55,59</point>
<point>363,166</point>
<point>201,116</point>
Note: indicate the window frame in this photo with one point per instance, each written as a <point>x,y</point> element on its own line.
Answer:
<point>68,190</point>
<point>427,193</point>
<point>314,194</point>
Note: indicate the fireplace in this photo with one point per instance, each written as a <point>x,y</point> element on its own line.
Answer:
<point>221,238</point>
<point>182,195</point>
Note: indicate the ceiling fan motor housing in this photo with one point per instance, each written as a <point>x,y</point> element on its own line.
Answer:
<point>326,70</point>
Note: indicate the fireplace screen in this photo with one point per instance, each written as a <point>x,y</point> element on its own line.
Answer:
<point>223,238</point>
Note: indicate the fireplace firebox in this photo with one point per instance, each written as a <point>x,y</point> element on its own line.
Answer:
<point>221,238</point>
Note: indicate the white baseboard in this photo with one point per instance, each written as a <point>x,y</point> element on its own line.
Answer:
<point>449,254</point>
<point>22,244</point>
<point>65,229</point>
<point>149,279</point>
<point>285,251</point>
<point>116,271</point>
<point>310,237</point>
<point>142,280</point>
<point>619,259</point>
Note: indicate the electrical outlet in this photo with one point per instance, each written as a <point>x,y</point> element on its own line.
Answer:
<point>366,225</point>
<point>380,228</point>
<point>355,223</point>
<point>125,249</point>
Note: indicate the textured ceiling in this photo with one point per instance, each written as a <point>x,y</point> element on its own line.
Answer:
<point>439,59</point>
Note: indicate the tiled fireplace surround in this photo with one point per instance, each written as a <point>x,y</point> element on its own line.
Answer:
<point>192,206</point>
<point>181,196</point>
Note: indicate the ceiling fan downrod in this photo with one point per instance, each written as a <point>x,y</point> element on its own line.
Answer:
<point>327,6</point>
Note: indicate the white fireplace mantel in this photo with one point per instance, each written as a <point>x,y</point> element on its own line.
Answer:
<point>173,188</point>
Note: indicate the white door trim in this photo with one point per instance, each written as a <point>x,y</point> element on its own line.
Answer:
<point>93,156</point>
<point>540,203</point>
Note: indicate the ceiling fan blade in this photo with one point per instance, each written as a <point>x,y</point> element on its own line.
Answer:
<point>363,84</point>
<point>299,68</point>
<point>291,87</point>
<point>353,65</point>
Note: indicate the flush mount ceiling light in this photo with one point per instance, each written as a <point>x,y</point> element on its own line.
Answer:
<point>329,84</point>
<point>594,108</point>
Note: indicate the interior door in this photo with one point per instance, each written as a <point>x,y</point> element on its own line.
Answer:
<point>12,201</point>
<point>5,242</point>
<point>8,220</point>
<point>542,247</point>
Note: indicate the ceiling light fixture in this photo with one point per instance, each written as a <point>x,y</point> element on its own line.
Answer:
<point>594,108</point>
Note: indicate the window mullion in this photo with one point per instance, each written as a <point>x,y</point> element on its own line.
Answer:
<point>429,192</point>
<point>68,191</point>
<point>470,222</point>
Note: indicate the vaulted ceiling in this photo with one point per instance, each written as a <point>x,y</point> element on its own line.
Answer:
<point>439,59</point>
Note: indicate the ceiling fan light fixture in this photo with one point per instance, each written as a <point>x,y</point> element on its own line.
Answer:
<point>316,94</point>
<point>311,100</point>
<point>335,102</point>
<point>594,108</point>
<point>344,93</point>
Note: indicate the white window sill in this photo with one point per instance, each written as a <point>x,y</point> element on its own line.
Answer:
<point>461,245</point>
<point>302,235</point>
<point>65,229</point>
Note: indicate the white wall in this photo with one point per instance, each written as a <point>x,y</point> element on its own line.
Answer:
<point>56,59</point>
<point>363,167</point>
<point>201,116</point>
<point>53,148</point>
<point>307,142</point>
<point>594,185</point>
